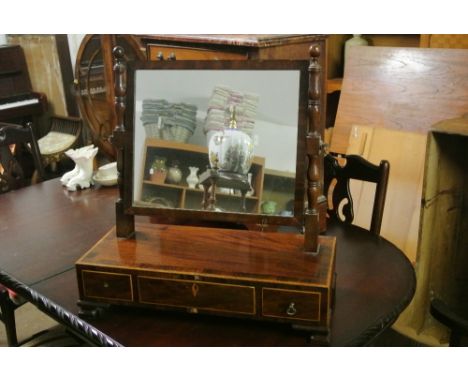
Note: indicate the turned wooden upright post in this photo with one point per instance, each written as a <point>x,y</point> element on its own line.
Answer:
<point>125,223</point>
<point>313,152</point>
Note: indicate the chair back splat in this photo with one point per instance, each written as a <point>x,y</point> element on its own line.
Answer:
<point>337,186</point>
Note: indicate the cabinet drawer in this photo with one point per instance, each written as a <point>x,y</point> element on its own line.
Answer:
<point>181,53</point>
<point>203,295</point>
<point>112,286</point>
<point>291,304</point>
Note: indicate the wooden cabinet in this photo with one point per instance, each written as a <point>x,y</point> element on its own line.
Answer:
<point>173,52</point>
<point>180,195</point>
<point>182,268</point>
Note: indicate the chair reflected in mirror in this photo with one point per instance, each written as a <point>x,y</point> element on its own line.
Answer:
<point>338,171</point>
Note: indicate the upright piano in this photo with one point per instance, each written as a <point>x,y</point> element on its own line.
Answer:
<point>18,103</point>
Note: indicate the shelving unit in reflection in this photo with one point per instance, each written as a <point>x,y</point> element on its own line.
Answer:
<point>163,193</point>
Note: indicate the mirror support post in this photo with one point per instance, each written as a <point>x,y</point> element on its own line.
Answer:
<point>125,223</point>
<point>313,152</point>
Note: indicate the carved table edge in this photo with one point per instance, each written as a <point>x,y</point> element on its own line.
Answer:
<point>55,311</point>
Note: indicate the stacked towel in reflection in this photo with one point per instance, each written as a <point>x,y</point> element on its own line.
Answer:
<point>218,114</point>
<point>168,121</point>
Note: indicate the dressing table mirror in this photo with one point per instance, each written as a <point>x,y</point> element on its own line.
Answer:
<point>201,143</point>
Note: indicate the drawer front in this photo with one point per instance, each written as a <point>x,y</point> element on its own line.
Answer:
<point>189,294</point>
<point>181,53</point>
<point>291,304</point>
<point>112,286</point>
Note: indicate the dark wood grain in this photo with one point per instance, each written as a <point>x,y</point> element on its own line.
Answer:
<point>221,252</point>
<point>374,281</point>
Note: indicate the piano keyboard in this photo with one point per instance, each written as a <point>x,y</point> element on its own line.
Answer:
<point>11,105</point>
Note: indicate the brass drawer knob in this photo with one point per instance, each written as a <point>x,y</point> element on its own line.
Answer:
<point>291,311</point>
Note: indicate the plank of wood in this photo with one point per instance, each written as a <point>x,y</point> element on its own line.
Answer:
<point>405,151</point>
<point>407,89</point>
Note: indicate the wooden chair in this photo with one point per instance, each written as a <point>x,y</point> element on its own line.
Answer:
<point>16,144</point>
<point>337,186</point>
<point>456,321</point>
<point>63,135</point>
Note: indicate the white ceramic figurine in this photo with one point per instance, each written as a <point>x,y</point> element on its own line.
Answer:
<point>81,175</point>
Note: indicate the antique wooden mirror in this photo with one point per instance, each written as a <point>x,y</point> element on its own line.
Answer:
<point>248,132</point>
<point>179,159</point>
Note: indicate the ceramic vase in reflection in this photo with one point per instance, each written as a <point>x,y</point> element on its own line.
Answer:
<point>192,179</point>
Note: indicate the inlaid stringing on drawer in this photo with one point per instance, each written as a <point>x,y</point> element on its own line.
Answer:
<point>193,294</point>
<point>291,304</point>
<point>107,285</point>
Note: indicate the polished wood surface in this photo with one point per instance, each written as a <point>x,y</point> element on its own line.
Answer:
<point>246,40</point>
<point>215,271</point>
<point>374,280</point>
<point>403,89</point>
<point>239,254</point>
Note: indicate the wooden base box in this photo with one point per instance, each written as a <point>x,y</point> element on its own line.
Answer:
<point>263,276</point>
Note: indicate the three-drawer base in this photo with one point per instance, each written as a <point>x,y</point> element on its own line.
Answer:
<point>251,289</point>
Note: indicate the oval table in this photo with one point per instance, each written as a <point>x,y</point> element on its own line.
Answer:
<point>44,229</point>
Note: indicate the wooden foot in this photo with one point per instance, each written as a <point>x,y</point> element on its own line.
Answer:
<point>90,309</point>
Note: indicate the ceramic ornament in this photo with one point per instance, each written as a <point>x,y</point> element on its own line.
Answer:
<point>81,175</point>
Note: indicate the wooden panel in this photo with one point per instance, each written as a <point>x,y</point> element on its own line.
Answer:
<point>235,254</point>
<point>396,40</point>
<point>107,285</point>
<point>400,222</point>
<point>397,94</point>
<point>181,53</point>
<point>406,89</point>
<point>211,296</point>
<point>453,41</point>
<point>442,264</point>
<point>291,304</point>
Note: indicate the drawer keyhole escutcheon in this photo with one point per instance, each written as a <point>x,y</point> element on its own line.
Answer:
<point>195,290</point>
<point>106,285</point>
<point>291,311</point>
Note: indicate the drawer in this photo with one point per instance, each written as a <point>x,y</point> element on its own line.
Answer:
<point>112,286</point>
<point>182,53</point>
<point>209,296</point>
<point>291,304</point>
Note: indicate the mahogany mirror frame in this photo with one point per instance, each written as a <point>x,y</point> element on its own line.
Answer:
<point>309,154</point>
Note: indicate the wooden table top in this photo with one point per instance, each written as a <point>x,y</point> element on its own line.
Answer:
<point>44,229</point>
<point>246,40</point>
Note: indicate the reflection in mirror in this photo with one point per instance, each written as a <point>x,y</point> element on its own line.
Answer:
<point>218,140</point>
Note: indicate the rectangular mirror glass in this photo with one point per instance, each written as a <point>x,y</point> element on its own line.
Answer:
<point>225,138</point>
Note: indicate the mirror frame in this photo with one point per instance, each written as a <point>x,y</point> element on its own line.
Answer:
<point>309,154</point>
